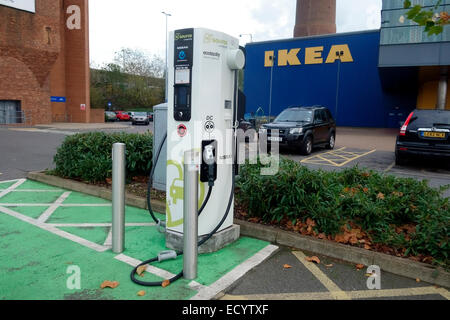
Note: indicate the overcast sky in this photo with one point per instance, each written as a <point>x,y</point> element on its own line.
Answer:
<point>139,24</point>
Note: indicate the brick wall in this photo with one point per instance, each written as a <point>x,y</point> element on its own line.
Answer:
<point>40,58</point>
<point>97,115</point>
<point>77,65</point>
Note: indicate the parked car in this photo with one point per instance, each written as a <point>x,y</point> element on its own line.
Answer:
<point>122,116</point>
<point>302,128</point>
<point>150,116</point>
<point>425,134</point>
<point>140,118</point>
<point>110,116</point>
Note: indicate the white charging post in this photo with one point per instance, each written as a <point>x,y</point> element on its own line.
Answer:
<point>190,214</point>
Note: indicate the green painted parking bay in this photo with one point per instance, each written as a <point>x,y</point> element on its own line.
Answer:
<point>39,244</point>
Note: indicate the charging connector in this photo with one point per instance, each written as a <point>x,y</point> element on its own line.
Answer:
<point>208,170</point>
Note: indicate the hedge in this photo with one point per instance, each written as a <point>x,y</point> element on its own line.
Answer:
<point>87,156</point>
<point>380,204</point>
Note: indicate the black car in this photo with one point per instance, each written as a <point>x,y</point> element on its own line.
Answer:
<point>425,134</point>
<point>302,128</point>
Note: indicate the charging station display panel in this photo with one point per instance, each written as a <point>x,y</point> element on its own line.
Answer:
<point>183,55</point>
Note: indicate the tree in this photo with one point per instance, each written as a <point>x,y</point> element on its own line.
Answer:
<point>433,20</point>
<point>134,80</point>
<point>138,63</point>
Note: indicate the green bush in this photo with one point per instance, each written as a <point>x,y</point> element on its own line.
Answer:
<point>375,202</point>
<point>87,156</point>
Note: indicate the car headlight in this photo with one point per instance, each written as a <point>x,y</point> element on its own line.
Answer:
<point>296,131</point>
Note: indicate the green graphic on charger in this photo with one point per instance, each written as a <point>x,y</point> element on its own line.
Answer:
<point>176,193</point>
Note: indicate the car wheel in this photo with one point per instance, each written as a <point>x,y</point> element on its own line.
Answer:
<point>400,161</point>
<point>331,142</point>
<point>307,146</point>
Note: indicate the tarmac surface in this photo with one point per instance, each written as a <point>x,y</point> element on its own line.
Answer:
<point>32,149</point>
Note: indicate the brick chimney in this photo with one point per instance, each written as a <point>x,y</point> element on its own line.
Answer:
<point>315,17</point>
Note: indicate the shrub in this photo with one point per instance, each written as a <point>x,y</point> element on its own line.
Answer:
<point>87,156</point>
<point>377,203</point>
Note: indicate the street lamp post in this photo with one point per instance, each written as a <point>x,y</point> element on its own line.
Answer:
<point>166,69</point>
<point>247,34</point>
<point>339,54</point>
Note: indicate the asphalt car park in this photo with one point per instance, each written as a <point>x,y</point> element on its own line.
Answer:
<point>32,149</point>
<point>373,149</point>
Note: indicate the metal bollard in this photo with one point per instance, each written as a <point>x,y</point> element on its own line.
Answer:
<point>118,197</point>
<point>190,214</point>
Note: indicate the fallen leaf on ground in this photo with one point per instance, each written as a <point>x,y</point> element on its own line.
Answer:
<point>140,271</point>
<point>367,247</point>
<point>165,283</point>
<point>141,293</point>
<point>417,280</point>
<point>310,222</point>
<point>109,284</point>
<point>286,266</point>
<point>329,265</point>
<point>313,259</point>
<point>380,196</point>
<point>340,238</point>
<point>359,266</point>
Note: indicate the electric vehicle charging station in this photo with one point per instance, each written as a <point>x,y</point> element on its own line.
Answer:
<point>203,67</point>
<point>202,107</point>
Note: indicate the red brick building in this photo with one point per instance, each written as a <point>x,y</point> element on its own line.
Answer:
<point>44,62</point>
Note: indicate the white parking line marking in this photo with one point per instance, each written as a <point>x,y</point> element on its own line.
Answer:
<point>46,215</point>
<point>235,274</point>
<point>8,181</point>
<point>97,225</point>
<point>151,269</point>
<point>11,188</point>
<point>49,228</point>
<point>49,204</point>
<point>108,240</point>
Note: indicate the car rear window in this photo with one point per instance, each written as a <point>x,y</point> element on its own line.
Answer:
<point>430,118</point>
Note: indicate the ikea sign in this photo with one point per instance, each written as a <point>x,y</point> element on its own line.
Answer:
<point>312,55</point>
<point>25,5</point>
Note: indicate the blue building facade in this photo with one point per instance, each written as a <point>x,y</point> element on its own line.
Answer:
<point>339,71</point>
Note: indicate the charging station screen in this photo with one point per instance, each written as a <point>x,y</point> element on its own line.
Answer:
<point>182,96</point>
<point>182,76</point>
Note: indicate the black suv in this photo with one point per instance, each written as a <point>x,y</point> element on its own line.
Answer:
<point>301,128</point>
<point>426,133</point>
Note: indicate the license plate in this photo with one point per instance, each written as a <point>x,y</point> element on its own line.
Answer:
<point>275,139</point>
<point>439,135</point>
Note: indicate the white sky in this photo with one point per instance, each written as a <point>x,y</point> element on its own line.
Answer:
<point>139,24</point>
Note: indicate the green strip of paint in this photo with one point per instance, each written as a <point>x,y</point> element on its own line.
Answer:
<point>31,197</point>
<point>6,185</point>
<point>36,260</point>
<point>34,263</point>
<point>34,185</point>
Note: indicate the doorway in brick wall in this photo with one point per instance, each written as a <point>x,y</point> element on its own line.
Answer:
<point>10,112</point>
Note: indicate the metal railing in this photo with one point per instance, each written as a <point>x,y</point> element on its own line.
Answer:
<point>16,118</point>
<point>67,118</point>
